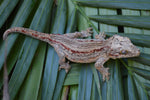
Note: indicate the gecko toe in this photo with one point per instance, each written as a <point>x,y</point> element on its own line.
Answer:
<point>90,30</point>
<point>104,72</point>
<point>65,66</point>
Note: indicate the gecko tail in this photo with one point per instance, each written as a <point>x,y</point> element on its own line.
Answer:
<point>26,31</point>
<point>6,34</point>
<point>29,32</point>
<point>8,31</point>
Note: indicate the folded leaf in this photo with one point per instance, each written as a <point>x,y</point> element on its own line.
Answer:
<point>115,82</point>
<point>5,9</point>
<point>147,86</point>
<point>143,58</point>
<point>85,83</point>
<point>29,48</point>
<point>31,85</point>
<point>142,72</point>
<point>19,21</point>
<point>127,4</point>
<point>132,21</point>
<point>132,90</point>
<point>142,93</point>
<point>51,88</point>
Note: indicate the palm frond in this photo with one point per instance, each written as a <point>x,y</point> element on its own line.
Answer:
<point>33,66</point>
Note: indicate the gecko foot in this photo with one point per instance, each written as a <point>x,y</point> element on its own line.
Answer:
<point>100,36</point>
<point>65,66</point>
<point>104,72</point>
<point>87,33</point>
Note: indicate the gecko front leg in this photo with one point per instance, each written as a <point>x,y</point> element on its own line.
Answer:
<point>62,60</point>
<point>99,66</point>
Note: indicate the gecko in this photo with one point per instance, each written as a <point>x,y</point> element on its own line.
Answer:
<point>75,48</point>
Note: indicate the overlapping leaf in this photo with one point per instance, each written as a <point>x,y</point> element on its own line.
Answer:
<point>19,21</point>
<point>6,8</point>
<point>51,88</point>
<point>85,83</point>
<point>29,48</point>
<point>12,40</point>
<point>119,4</point>
<point>142,72</point>
<point>119,86</point>
<point>30,89</point>
<point>132,21</point>
<point>143,58</point>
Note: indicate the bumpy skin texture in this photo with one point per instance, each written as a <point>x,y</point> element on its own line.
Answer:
<point>97,50</point>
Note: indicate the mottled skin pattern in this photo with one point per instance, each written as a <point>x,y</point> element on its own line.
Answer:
<point>97,50</point>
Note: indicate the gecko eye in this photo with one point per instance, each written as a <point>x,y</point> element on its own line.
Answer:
<point>123,52</point>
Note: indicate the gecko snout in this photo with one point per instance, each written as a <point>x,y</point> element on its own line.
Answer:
<point>135,51</point>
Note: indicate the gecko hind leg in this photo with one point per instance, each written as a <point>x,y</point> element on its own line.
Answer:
<point>62,60</point>
<point>99,66</point>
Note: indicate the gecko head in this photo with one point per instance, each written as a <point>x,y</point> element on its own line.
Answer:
<point>122,47</point>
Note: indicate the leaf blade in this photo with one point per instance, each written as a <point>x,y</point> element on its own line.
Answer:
<point>20,19</point>
<point>117,4</point>
<point>6,8</point>
<point>131,21</point>
<point>143,58</point>
<point>31,85</point>
<point>29,48</point>
<point>54,87</point>
<point>85,83</point>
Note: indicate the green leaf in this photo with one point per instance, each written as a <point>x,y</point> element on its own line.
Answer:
<point>63,18</point>
<point>114,89</point>
<point>71,25</point>
<point>132,21</point>
<point>11,59</point>
<point>51,87</point>
<point>31,85</point>
<point>50,74</point>
<point>29,48</point>
<point>143,58</point>
<point>132,92</point>
<point>85,83</point>
<point>60,18</point>
<point>95,93</point>
<point>6,8</point>
<point>118,4</point>
<point>147,86</point>
<point>137,39</point>
<point>73,76</point>
<point>97,82</point>
<point>19,20</point>
<point>142,93</point>
<point>142,72</point>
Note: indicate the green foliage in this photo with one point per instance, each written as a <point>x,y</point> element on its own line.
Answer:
<point>33,65</point>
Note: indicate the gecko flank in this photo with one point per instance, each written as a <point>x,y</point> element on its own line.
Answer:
<point>97,50</point>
